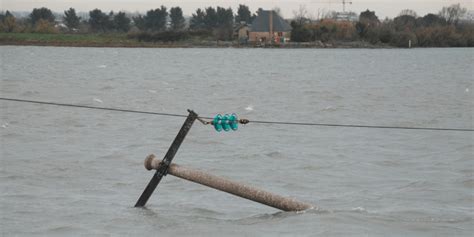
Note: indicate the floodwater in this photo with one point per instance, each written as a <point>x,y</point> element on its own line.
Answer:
<point>78,172</point>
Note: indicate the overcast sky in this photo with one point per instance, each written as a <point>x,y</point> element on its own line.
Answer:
<point>382,8</point>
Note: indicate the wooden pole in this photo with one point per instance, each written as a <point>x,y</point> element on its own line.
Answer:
<point>228,186</point>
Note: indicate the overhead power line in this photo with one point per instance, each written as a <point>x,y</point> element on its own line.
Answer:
<point>93,107</point>
<point>251,121</point>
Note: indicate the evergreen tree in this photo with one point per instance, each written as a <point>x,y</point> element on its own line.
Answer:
<point>71,20</point>
<point>225,22</point>
<point>98,20</point>
<point>155,20</point>
<point>403,22</point>
<point>177,19</point>
<point>139,22</point>
<point>121,22</point>
<point>243,14</point>
<point>433,20</point>
<point>224,17</point>
<point>198,20</point>
<point>7,22</point>
<point>41,13</point>
<point>7,14</point>
<point>210,18</point>
<point>368,17</point>
<point>365,27</point>
<point>110,25</point>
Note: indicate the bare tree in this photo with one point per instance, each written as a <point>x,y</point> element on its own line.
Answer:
<point>301,16</point>
<point>453,13</point>
<point>317,15</point>
<point>329,15</point>
<point>322,14</point>
<point>408,12</point>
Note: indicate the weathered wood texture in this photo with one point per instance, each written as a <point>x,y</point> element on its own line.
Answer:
<point>228,186</point>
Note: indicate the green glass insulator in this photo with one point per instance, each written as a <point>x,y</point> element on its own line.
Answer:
<point>225,122</point>
<point>217,122</point>
<point>234,122</point>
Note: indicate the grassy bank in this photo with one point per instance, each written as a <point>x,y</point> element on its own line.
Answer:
<point>100,40</point>
<point>73,40</point>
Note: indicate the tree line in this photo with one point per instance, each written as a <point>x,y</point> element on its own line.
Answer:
<point>162,24</point>
<point>43,20</point>
<point>444,29</point>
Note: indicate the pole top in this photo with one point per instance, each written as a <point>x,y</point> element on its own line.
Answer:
<point>149,161</point>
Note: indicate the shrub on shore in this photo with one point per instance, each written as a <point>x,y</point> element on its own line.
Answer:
<point>164,36</point>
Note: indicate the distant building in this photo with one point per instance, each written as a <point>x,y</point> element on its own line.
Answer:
<point>241,32</point>
<point>346,16</point>
<point>269,27</point>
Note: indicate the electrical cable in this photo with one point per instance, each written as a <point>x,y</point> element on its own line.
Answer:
<point>251,121</point>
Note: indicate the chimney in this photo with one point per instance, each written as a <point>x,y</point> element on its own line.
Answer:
<point>271,24</point>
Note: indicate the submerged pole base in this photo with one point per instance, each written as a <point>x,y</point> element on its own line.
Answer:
<point>228,186</point>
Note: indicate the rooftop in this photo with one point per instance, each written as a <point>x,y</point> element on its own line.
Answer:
<point>262,23</point>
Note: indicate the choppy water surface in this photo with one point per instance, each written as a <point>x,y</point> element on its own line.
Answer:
<point>69,172</point>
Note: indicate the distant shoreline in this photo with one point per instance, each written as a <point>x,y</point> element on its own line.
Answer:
<point>350,45</point>
<point>125,41</point>
<point>121,41</point>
